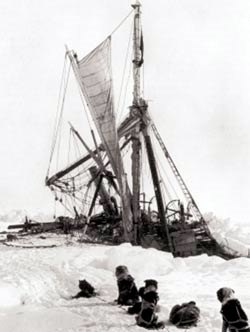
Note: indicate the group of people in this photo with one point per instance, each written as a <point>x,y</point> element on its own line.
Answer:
<point>144,304</point>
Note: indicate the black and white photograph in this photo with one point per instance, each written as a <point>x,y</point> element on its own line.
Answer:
<point>125,158</point>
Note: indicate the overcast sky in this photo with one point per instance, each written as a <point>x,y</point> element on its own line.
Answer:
<point>197,71</point>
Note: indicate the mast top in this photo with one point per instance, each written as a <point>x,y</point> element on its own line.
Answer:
<point>136,4</point>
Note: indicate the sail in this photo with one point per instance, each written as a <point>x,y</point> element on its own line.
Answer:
<point>96,79</point>
<point>96,84</point>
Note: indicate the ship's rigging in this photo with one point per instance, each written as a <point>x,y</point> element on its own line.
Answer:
<point>106,184</point>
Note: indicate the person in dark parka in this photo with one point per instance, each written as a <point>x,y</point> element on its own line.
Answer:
<point>234,317</point>
<point>127,290</point>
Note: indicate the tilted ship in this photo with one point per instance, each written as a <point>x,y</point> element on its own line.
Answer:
<point>104,189</point>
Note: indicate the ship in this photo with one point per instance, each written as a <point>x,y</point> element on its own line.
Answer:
<point>118,189</point>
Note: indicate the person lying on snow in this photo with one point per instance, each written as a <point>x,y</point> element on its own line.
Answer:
<point>185,315</point>
<point>234,317</point>
<point>87,290</point>
<point>146,315</point>
<point>127,290</point>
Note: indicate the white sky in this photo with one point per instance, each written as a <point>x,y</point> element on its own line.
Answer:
<point>197,70</point>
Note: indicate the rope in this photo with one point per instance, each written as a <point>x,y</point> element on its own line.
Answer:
<point>69,144</point>
<point>60,120</point>
<point>126,89</point>
<point>84,170</point>
<point>165,173</point>
<point>103,300</point>
<point>119,25</point>
<point>60,105</point>
<point>123,74</point>
<point>54,135</point>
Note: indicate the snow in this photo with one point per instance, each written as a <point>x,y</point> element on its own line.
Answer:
<point>231,236</point>
<point>36,285</point>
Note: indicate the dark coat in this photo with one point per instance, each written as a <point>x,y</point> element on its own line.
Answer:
<point>128,293</point>
<point>234,317</point>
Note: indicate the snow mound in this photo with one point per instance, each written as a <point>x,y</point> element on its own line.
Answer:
<point>37,282</point>
<point>9,295</point>
<point>135,258</point>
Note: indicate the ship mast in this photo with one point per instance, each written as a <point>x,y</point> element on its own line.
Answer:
<point>138,56</point>
<point>139,109</point>
<point>135,112</point>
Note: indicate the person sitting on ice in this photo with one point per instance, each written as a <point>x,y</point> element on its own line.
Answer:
<point>185,315</point>
<point>146,316</point>
<point>234,317</point>
<point>87,290</point>
<point>128,293</point>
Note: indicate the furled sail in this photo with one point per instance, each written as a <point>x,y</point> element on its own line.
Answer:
<point>96,84</point>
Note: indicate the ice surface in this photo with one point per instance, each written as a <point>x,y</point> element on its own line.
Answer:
<point>36,285</point>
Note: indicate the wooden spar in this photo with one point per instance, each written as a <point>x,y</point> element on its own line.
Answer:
<point>123,130</point>
<point>137,61</point>
<point>34,224</point>
<point>136,144</point>
<point>96,159</point>
<point>98,184</point>
<point>157,189</point>
<point>136,157</point>
<point>50,181</point>
<point>139,110</point>
<point>105,197</point>
<point>91,154</point>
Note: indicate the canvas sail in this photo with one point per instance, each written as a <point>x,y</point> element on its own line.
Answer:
<point>96,84</point>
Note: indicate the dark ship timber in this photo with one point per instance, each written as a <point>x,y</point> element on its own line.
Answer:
<point>102,190</point>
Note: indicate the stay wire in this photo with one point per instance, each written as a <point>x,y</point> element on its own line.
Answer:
<point>124,72</point>
<point>167,177</point>
<point>170,183</point>
<point>69,146</point>
<point>56,128</point>
<point>60,119</point>
<point>121,23</point>
<point>61,98</point>
<point>57,113</point>
<point>125,93</point>
<point>77,153</point>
